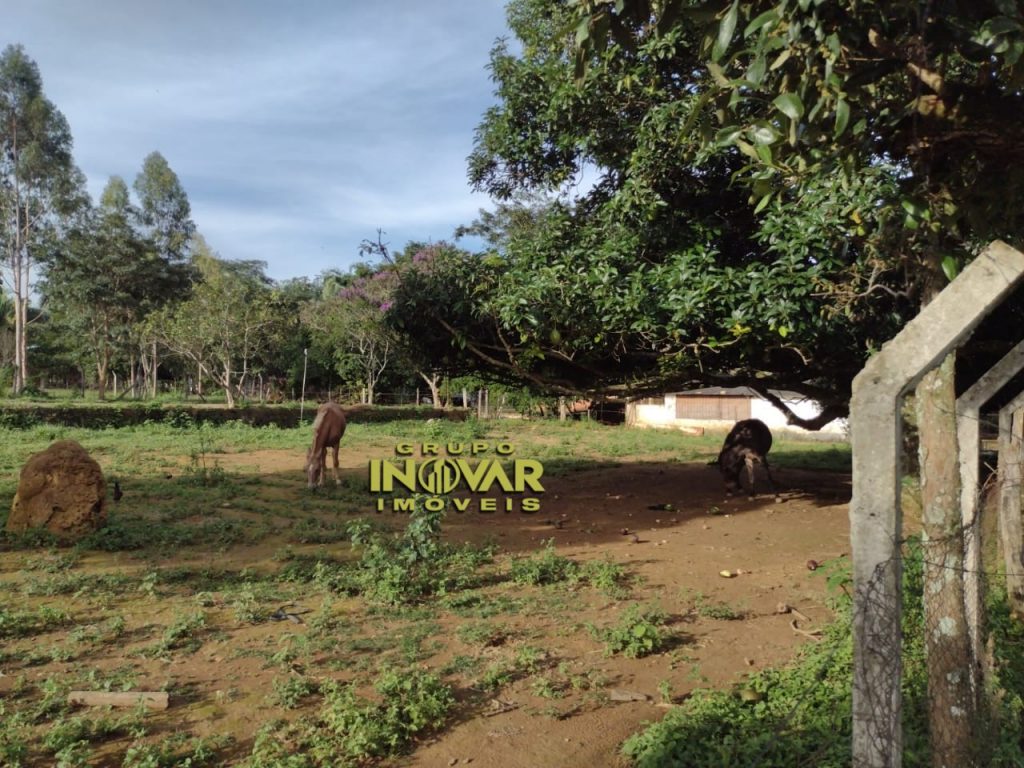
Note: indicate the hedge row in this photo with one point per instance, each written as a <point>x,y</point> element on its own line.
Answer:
<point>103,416</point>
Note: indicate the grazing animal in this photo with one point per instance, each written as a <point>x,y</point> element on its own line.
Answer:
<point>328,427</point>
<point>747,444</point>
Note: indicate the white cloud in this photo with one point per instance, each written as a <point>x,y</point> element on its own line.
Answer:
<point>297,129</point>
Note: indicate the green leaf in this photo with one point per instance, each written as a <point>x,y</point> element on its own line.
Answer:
<point>761,205</point>
<point>950,267</point>
<point>762,133</point>
<point>790,105</point>
<point>756,71</point>
<point>842,117</point>
<point>1000,25</point>
<point>781,59</point>
<point>725,31</point>
<point>728,135</point>
<point>718,74</point>
<point>766,18</point>
<point>582,31</point>
<point>914,207</point>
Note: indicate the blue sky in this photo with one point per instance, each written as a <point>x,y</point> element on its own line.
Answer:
<point>297,128</point>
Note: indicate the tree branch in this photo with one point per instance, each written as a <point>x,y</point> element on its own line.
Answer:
<point>829,413</point>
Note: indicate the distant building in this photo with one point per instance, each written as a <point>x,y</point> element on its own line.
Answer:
<point>718,408</point>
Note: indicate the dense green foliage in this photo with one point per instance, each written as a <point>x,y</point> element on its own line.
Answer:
<point>739,193</point>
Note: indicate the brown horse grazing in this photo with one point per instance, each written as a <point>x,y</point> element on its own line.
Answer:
<point>747,444</point>
<point>328,427</point>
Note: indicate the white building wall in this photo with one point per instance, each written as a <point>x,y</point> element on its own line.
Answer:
<point>664,415</point>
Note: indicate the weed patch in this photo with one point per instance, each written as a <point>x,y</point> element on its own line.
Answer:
<point>638,632</point>
<point>546,567</point>
<point>352,729</point>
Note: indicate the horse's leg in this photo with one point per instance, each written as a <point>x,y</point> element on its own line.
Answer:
<point>749,461</point>
<point>771,480</point>
<point>337,480</point>
<point>323,468</point>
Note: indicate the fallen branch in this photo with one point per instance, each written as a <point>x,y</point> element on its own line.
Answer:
<point>499,707</point>
<point>149,699</point>
<point>814,634</point>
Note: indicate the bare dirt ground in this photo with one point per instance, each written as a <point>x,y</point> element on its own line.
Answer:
<point>723,627</point>
<point>677,555</point>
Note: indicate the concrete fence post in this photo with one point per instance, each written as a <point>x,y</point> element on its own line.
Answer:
<point>968,414</point>
<point>875,511</point>
<point>1011,531</point>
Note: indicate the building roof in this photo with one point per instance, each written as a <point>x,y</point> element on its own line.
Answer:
<point>741,392</point>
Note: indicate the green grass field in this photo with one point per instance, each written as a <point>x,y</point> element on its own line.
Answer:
<point>206,554</point>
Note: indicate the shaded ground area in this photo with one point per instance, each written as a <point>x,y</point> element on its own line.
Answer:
<point>533,684</point>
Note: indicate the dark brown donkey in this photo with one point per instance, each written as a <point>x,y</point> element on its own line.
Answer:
<point>328,427</point>
<point>747,444</point>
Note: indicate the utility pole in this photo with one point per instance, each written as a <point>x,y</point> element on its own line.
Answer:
<point>302,398</point>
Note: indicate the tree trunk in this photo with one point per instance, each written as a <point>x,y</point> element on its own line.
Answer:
<point>951,687</point>
<point>19,332</point>
<point>24,338</point>
<point>432,382</point>
<point>228,391</point>
<point>154,367</point>
<point>102,368</point>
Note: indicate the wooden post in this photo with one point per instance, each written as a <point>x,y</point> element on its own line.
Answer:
<point>302,396</point>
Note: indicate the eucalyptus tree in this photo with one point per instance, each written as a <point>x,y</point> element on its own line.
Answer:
<point>38,183</point>
<point>165,217</point>
<point>98,281</point>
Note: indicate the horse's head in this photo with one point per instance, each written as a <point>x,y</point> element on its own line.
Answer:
<point>313,475</point>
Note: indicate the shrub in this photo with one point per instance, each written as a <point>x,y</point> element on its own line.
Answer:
<point>547,567</point>
<point>398,570</point>
<point>637,633</point>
